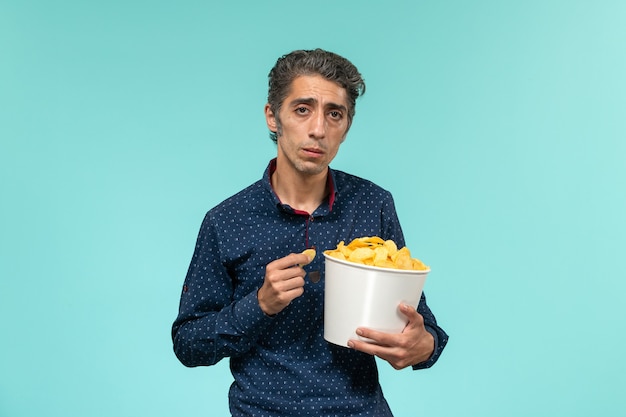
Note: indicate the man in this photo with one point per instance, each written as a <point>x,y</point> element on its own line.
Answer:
<point>245,295</point>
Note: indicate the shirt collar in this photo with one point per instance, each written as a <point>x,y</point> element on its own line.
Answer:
<point>330,183</point>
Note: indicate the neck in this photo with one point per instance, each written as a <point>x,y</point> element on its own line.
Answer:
<point>300,192</point>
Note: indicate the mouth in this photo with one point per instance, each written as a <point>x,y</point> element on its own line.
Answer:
<point>313,152</point>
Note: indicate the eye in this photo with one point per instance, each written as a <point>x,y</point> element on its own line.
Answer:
<point>335,114</point>
<point>301,110</point>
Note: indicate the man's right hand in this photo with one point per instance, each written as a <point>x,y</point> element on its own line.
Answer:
<point>284,281</point>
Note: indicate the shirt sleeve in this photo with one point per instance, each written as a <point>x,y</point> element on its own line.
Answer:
<point>212,325</point>
<point>393,230</point>
<point>440,336</point>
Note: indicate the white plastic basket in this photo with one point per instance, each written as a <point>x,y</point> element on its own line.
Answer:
<point>359,295</point>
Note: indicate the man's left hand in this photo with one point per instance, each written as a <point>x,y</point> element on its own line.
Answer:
<point>414,345</point>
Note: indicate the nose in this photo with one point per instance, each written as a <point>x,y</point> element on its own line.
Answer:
<point>317,126</point>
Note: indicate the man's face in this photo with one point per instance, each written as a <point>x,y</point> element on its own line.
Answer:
<point>313,122</point>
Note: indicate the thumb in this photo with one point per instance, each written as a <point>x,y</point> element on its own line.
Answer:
<point>410,313</point>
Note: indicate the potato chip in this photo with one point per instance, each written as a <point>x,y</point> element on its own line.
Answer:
<point>310,253</point>
<point>345,251</point>
<point>366,242</point>
<point>375,251</point>
<point>391,247</point>
<point>418,265</point>
<point>386,264</point>
<point>381,254</point>
<point>361,255</point>
<point>403,260</point>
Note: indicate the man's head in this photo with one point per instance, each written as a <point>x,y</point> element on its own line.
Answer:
<point>329,65</point>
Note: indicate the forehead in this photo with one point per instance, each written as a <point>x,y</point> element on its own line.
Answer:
<point>317,88</point>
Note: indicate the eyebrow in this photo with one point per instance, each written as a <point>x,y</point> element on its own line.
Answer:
<point>311,101</point>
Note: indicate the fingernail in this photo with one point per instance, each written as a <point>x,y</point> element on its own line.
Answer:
<point>350,344</point>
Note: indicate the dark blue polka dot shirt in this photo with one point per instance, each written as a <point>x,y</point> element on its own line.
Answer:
<point>282,366</point>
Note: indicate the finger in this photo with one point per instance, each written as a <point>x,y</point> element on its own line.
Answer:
<point>310,253</point>
<point>384,352</point>
<point>275,273</point>
<point>376,337</point>
<point>293,283</point>
<point>363,346</point>
<point>289,261</point>
<point>415,319</point>
<point>393,354</point>
<point>288,273</point>
<point>408,311</point>
<point>290,295</point>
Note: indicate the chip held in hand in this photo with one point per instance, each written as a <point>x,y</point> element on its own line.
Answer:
<point>310,253</point>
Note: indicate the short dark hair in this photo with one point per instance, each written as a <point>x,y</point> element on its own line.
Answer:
<point>329,65</point>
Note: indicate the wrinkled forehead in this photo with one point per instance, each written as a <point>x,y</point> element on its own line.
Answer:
<point>316,90</point>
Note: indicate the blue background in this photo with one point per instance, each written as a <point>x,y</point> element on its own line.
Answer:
<point>499,126</point>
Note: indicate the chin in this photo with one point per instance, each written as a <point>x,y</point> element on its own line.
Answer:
<point>309,168</point>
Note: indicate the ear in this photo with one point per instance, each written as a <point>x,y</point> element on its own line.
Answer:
<point>270,119</point>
